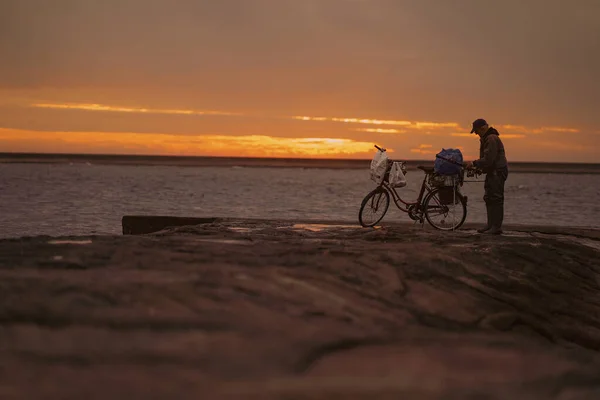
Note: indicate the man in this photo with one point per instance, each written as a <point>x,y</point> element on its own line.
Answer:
<point>492,161</point>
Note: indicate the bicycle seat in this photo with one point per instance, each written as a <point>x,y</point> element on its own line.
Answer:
<point>427,170</point>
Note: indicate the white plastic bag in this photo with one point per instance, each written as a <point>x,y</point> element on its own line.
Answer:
<point>397,178</point>
<point>379,166</point>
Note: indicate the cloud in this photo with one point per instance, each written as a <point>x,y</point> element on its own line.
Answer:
<point>434,125</point>
<point>512,136</point>
<point>424,126</point>
<point>173,144</point>
<point>354,120</point>
<point>108,108</point>
<point>424,149</point>
<point>418,125</point>
<point>565,146</point>
<point>543,129</point>
<point>513,128</point>
<point>502,135</point>
<point>556,129</point>
<point>421,151</point>
<point>380,130</point>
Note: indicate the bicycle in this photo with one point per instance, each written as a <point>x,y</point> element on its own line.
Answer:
<point>438,193</point>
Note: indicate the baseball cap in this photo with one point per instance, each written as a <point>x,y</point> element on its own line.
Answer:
<point>478,123</point>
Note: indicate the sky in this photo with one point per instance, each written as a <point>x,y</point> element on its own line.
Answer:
<point>291,78</point>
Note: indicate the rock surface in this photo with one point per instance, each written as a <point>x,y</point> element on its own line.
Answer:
<point>270,310</point>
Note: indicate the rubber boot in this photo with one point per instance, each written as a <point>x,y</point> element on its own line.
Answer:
<point>497,217</point>
<point>489,224</point>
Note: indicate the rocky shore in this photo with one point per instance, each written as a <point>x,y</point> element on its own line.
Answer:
<point>274,310</point>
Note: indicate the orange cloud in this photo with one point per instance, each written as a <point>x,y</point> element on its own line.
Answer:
<point>556,129</point>
<point>421,151</point>
<point>173,144</point>
<point>512,136</point>
<point>103,107</point>
<point>424,149</point>
<point>413,125</point>
<point>502,135</point>
<point>514,128</point>
<point>543,129</point>
<point>564,146</point>
<point>380,130</point>
<point>435,125</point>
<point>354,120</point>
<point>419,125</point>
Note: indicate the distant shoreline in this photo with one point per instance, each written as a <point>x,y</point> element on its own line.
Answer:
<point>247,162</point>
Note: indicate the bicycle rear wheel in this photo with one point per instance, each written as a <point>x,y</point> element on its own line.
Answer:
<point>445,213</point>
<point>373,207</point>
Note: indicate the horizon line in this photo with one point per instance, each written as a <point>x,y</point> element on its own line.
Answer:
<point>115,155</point>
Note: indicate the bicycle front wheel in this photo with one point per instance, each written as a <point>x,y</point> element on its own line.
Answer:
<point>445,209</point>
<point>373,207</point>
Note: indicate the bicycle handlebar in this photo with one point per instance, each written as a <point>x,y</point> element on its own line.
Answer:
<point>475,172</point>
<point>379,148</point>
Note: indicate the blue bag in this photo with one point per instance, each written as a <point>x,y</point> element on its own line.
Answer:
<point>448,162</point>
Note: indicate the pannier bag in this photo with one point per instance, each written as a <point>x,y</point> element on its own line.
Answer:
<point>447,196</point>
<point>448,162</point>
<point>379,166</point>
<point>397,178</point>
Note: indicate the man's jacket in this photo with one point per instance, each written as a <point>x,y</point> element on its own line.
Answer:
<point>491,152</point>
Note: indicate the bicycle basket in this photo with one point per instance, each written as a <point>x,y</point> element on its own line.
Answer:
<point>442,180</point>
<point>447,196</point>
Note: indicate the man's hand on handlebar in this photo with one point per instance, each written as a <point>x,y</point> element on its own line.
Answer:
<point>474,172</point>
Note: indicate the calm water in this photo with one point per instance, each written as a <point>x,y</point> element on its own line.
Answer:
<point>79,199</point>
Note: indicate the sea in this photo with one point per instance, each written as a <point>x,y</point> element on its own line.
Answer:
<point>83,198</point>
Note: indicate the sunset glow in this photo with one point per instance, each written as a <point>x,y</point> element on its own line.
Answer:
<point>277,76</point>
<point>170,144</point>
<point>513,131</point>
<point>266,135</point>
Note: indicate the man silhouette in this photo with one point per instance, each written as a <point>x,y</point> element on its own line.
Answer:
<point>492,161</point>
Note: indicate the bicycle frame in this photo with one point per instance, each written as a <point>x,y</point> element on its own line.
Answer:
<point>397,199</point>
<point>425,188</point>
